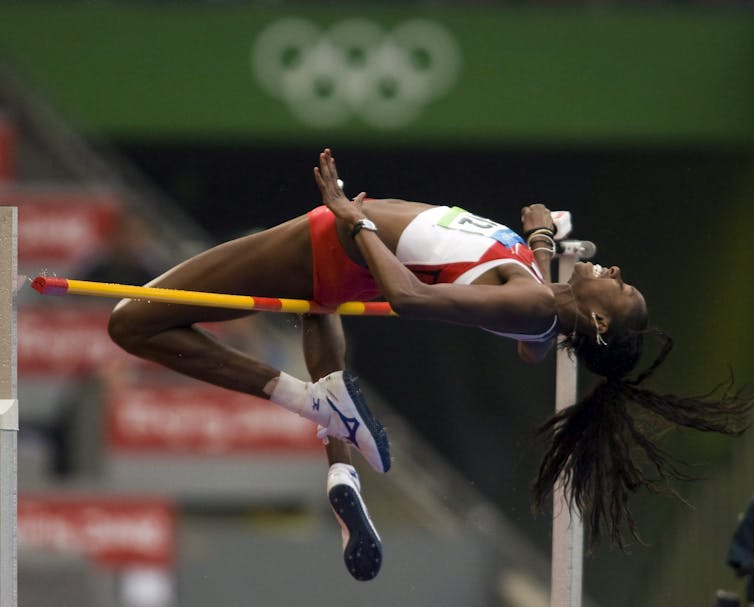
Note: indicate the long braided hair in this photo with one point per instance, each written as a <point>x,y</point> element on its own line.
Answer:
<point>596,447</point>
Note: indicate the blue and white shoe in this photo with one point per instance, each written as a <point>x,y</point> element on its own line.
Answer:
<point>362,548</point>
<point>349,417</point>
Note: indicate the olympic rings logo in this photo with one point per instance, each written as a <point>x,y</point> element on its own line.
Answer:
<point>355,68</point>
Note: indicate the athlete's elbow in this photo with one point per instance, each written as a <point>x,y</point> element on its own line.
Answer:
<point>407,303</point>
<point>126,331</point>
<point>532,353</point>
<point>528,357</point>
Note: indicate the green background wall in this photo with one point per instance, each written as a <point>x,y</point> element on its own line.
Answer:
<point>527,75</point>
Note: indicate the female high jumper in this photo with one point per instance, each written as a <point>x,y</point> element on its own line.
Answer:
<point>443,264</point>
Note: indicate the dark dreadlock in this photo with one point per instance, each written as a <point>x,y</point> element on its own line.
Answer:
<point>590,446</point>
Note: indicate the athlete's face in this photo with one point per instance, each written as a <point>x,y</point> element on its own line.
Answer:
<point>602,290</point>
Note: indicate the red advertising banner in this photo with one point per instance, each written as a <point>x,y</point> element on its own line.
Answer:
<point>203,419</point>
<point>112,532</point>
<point>71,341</point>
<point>60,225</point>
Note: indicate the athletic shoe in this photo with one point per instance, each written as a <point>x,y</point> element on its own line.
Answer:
<point>350,419</point>
<point>362,548</point>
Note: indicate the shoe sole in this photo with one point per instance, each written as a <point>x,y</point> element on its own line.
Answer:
<point>363,552</point>
<point>375,428</point>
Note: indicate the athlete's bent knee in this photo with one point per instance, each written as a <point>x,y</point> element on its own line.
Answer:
<point>125,330</point>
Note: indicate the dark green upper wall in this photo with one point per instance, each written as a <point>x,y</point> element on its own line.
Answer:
<point>636,77</point>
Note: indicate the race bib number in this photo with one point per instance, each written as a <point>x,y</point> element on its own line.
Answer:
<point>459,219</point>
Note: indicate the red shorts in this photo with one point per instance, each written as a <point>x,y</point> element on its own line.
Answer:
<point>337,278</point>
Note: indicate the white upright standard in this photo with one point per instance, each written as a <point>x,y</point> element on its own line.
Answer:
<point>8,408</point>
<point>567,527</point>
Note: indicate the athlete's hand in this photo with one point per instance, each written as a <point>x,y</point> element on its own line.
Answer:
<point>326,177</point>
<point>536,216</point>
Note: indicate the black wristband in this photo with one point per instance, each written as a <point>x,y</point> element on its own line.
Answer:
<point>542,230</point>
<point>363,224</point>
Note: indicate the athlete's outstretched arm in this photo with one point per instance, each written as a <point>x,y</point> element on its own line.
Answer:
<point>517,307</point>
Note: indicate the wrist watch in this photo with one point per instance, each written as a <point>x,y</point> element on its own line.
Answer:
<point>363,224</point>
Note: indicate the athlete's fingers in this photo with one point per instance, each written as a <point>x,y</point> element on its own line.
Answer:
<point>330,161</point>
<point>324,165</point>
<point>318,178</point>
<point>333,168</point>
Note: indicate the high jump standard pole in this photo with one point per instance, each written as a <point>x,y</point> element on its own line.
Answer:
<point>567,527</point>
<point>8,408</point>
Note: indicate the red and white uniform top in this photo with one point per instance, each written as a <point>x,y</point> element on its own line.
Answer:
<point>450,245</point>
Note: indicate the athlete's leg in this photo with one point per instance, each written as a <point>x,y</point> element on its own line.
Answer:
<point>275,263</point>
<point>324,352</point>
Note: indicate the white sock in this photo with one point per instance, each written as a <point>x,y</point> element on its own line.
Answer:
<point>293,394</point>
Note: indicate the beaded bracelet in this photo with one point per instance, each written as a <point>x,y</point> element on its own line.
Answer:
<point>541,230</point>
<point>542,236</point>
